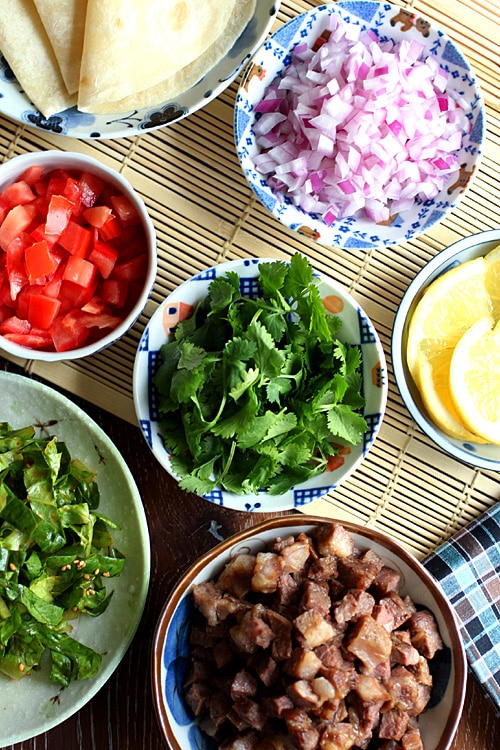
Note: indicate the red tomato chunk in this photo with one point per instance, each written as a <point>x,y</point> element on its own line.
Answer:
<point>73,258</point>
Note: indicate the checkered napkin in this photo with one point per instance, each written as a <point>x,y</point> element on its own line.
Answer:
<point>468,570</point>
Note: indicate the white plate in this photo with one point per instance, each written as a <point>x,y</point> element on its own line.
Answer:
<point>356,329</point>
<point>15,104</point>
<point>35,704</point>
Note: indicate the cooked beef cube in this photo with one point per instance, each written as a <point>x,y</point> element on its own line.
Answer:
<point>393,724</point>
<point>424,633</point>
<point>281,628</point>
<point>339,736</point>
<point>197,697</point>
<point>265,667</point>
<point>337,589</point>
<point>301,728</point>
<point>236,578</point>
<point>302,695</point>
<point>206,638</point>
<point>352,605</point>
<point>422,672</point>
<point>279,543</point>
<point>387,580</point>
<point>365,716</point>
<point>323,568</point>
<point>243,685</point>
<point>303,664</point>
<point>201,671</point>
<point>251,712</point>
<point>371,690</point>
<point>411,740</point>
<point>383,613</point>
<point>219,706</point>
<point>330,655</point>
<point>333,539</point>
<point>343,680</point>
<point>223,654</point>
<point>316,595</point>
<point>398,608</point>
<point>357,573</point>
<point>313,628</point>
<point>406,694</point>
<point>267,571</point>
<point>369,642</point>
<point>252,632</point>
<point>370,556</point>
<point>277,705</point>
<point>206,596</point>
<point>288,591</point>
<point>382,671</point>
<point>324,689</point>
<point>295,556</point>
<point>402,651</point>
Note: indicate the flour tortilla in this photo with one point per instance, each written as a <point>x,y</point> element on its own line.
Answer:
<point>27,48</point>
<point>192,73</point>
<point>132,45</point>
<point>64,22</point>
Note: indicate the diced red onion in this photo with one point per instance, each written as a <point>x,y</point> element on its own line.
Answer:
<point>359,126</point>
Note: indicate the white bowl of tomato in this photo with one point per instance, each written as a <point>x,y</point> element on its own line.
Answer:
<point>78,258</point>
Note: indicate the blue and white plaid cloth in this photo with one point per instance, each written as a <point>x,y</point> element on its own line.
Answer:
<point>468,570</point>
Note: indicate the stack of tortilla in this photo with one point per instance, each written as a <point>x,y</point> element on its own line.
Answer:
<point>109,56</point>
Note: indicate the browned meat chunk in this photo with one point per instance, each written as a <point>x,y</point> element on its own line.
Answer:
<point>252,632</point>
<point>316,595</point>
<point>314,629</point>
<point>371,690</point>
<point>266,573</point>
<point>406,694</point>
<point>387,580</point>
<point>393,724</point>
<point>402,651</point>
<point>411,740</point>
<point>397,607</point>
<point>323,568</point>
<point>357,573</point>
<point>333,539</point>
<point>369,642</point>
<point>236,578</point>
<point>340,736</point>
<point>301,728</point>
<point>352,606</point>
<point>244,685</point>
<point>303,664</point>
<point>424,633</point>
<point>295,556</point>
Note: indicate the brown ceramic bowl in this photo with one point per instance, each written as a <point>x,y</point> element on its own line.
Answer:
<point>170,652</point>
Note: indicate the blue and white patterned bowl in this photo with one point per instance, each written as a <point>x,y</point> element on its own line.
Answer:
<point>170,652</point>
<point>356,329</point>
<point>389,22</point>
<point>15,104</point>
<point>483,455</point>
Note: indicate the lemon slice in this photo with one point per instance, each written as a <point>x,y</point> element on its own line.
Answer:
<point>449,306</point>
<point>492,279</point>
<point>433,382</point>
<point>475,379</point>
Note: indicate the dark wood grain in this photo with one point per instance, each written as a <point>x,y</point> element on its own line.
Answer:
<point>181,526</point>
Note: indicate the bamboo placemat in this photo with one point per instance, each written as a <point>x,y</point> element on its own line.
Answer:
<point>204,213</point>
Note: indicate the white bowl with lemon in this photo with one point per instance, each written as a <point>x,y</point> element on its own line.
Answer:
<point>446,349</point>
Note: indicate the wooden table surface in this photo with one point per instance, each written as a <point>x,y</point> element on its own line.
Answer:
<point>182,526</point>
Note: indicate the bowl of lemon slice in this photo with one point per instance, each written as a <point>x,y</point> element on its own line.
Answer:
<point>446,349</point>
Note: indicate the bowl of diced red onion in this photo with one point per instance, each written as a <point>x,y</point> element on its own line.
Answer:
<point>306,627</point>
<point>359,125</point>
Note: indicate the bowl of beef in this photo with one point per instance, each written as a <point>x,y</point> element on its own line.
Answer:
<point>308,633</point>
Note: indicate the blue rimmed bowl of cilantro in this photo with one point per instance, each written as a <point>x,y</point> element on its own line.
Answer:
<point>260,384</point>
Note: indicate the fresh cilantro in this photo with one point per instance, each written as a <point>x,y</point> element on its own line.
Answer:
<point>56,551</point>
<point>258,394</point>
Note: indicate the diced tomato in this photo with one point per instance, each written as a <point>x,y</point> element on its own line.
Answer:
<point>74,259</point>
<point>43,310</point>
<point>110,230</point>
<point>114,292</point>
<point>79,271</point>
<point>32,175</point>
<point>13,324</point>
<point>58,215</point>
<point>91,187</point>
<point>129,270</point>
<point>126,212</point>
<point>17,221</point>
<point>39,260</point>
<point>97,216</point>
<point>31,340</point>
<point>104,256</point>
<point>18,194</point>
<point>77,239</point>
